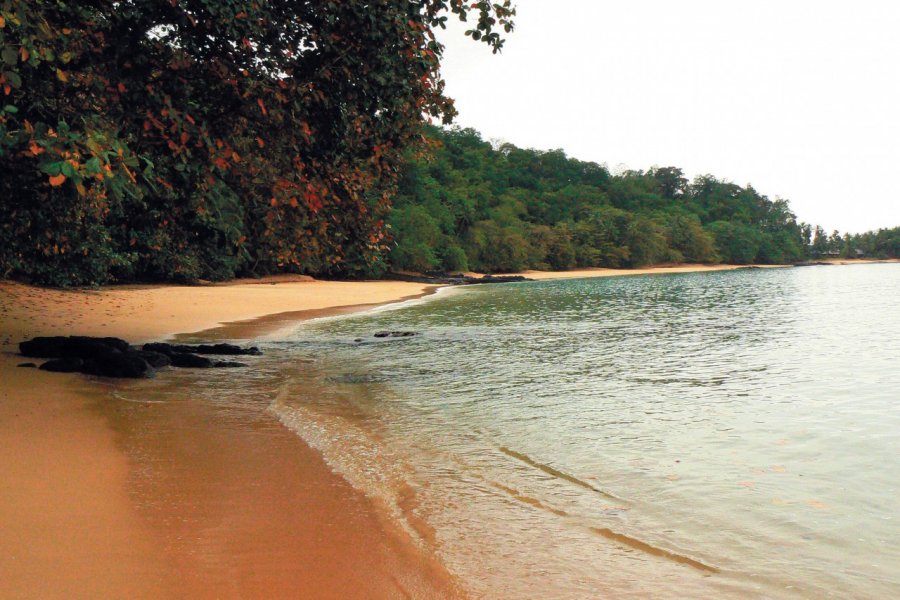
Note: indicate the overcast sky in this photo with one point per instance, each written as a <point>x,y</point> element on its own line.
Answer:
<point>799,98</point>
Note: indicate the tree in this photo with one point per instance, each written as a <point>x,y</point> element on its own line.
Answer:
<point>187,138</point>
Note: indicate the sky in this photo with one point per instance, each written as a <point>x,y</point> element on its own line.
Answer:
<point>799,98</point>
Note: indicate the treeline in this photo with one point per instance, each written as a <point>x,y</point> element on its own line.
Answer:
<point>883,243</point>
<point>468,205</point>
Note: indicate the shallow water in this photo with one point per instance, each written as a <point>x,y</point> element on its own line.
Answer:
<point>728,434</point>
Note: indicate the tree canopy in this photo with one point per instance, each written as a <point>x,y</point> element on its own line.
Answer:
<point>469,204</point>
<point>186,139</point>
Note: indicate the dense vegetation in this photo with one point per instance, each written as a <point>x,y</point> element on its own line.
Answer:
<point>884,243</point>
<point>189,139</point>
<point>468,205</point>
<point>186,139</point>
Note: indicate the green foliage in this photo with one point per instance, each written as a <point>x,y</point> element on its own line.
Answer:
<point>187,139</point>
<point>883,243</point>
<point>511,209</point>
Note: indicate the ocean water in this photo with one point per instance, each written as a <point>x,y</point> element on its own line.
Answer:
<point>709,435</point>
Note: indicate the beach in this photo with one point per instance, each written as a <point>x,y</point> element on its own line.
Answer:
<point>231,518</point>
<point>232,507</point>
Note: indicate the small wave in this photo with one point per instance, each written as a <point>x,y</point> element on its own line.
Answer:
<point>653,550</point>
<point>556,473</point>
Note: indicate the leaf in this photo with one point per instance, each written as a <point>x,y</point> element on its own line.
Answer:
<point>62,75</point>
<point>52,168</point>
<point>10,109</point>
<point>57,180</point>
<point>13,78</point>
<point>2,22</point>
<point>9,55</point>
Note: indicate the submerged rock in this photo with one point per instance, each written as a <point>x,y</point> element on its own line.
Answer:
<point>228,364</point>
<point>395,334</point>
<point>190,361</point>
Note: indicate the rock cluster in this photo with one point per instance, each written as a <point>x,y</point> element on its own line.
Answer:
<point>114,357</point>
<point>395,334</point>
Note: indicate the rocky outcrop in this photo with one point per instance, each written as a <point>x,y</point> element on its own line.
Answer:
<point>114,357</point>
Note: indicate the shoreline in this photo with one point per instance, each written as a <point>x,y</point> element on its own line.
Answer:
<point>71,506</point>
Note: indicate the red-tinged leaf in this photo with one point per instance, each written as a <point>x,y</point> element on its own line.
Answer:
<point>262,106</point>
<point>23,54</point>
<point>57,180</point>
<point>62,75</point>
<point>190,119</point>
<point>184,138</point>
<point>121,88</point>
<point>260,142</point>
<point>2,22</point>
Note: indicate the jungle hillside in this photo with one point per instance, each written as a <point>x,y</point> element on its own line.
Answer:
<point>468,204</point>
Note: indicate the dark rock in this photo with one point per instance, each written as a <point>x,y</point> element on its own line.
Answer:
<point>499,279</point>
<point>27,365</point>
<point>63,365</point>
<point>71,347</point>
<point>157,360</point>
<point>227,364</point>
<point>190,361</point>
<point>118,364</point>
<point>219,349</point>
<point>395,334</point>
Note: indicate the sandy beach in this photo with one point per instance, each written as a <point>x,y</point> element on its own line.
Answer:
<point>228,517</point>
<point>227,511</point>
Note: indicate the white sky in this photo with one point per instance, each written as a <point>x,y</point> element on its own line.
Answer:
<point>799,98</point>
